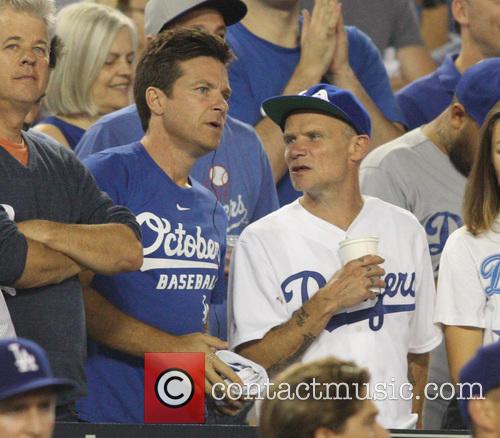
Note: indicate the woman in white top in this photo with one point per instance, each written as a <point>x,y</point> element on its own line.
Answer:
<point>468,298</point>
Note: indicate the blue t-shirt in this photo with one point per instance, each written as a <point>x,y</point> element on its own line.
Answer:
<point>238,172</point>
<point>71,132</point>
<point>183,235</point>
<point>263,69</point>
<point>424,99</point>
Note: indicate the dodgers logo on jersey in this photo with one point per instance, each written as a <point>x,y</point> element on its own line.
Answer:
<point>439,226</point>
<point>306,283</point>
<point>490,270</point>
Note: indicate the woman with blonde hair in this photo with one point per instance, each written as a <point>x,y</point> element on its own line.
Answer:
<point>468,298</point>
<point>94,75</point>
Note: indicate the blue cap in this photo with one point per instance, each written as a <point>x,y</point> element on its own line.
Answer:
<point>478,90</point>
<point>25,367</point>
<point>481,374</point>
<point>324,98</point>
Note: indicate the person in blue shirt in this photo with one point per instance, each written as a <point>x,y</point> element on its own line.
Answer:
<point>239,172</point>
<point>181,91</point>
<point>276,54</point>
<point>427,97</point>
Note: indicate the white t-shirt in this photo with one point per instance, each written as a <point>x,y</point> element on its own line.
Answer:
<point>281,260</point>
<point>469,282</point>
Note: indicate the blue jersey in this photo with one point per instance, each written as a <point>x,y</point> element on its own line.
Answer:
<point>263,69</point>
<point>427,97</point>
<point>238,172</point>
<point>183,235</point>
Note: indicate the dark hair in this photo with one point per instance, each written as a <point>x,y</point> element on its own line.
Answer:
<point>482,192</point>
<point>160,64</point>
<point>342,388</point>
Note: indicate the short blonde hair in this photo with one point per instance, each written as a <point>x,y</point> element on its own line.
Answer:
<point>87,31</point>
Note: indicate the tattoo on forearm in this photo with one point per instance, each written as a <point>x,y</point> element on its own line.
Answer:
<point>301,317</point>
<point>308,339</point>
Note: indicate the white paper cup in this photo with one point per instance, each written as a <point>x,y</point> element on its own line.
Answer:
<point>351,249</point>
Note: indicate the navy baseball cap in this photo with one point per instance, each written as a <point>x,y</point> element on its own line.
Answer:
<point>480,375</point>
<point>478,90</point>
<point>324,98</point>
<point>158,13</point>
<point>25,367</point>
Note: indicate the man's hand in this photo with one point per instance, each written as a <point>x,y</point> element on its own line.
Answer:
<point>215,369</point>
<point>318,38</point>
<point>353,283</point>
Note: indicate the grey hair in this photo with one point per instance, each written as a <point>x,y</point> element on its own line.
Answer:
<point>44,9</point>
<point>88,31</point>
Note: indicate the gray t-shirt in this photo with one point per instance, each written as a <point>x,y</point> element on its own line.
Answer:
<point>414,174</point>
<point>389,23</point>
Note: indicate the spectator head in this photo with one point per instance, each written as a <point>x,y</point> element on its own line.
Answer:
<point>482,192</point>
<point>27,390</point>
<point>477,22</point>
<point>25,28</point>
<point>161,66</point>
<point>326,129</point>
<point>211,15</point>
<point>479,385</point>
<point>475,94</point>
<point>330,401</point>
<point>95,72</point>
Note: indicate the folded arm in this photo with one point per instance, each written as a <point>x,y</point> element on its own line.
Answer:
<point>103,248</point>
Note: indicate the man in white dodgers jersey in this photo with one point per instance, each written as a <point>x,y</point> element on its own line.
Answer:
<point>290,298</point>
<point>181,92</point>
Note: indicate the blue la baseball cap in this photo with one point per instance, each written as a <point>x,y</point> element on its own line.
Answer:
<point>478,90</point>
<point>480,375</point>
<point>25,367</point>
<point>324,98</point>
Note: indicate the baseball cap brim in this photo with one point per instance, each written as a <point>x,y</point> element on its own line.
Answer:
<point>232,11</point>
<point>48,382</point>
<point>279,108</point>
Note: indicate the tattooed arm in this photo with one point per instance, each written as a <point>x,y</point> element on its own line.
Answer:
<point>285,343</point>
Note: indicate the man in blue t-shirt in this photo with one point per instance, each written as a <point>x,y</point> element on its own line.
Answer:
<point>427,97</point>
<point>271,61</point>
<point>238,173</point>
<point>181,92</point>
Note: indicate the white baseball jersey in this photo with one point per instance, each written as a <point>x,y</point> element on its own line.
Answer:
<point>469,282</point>
<point>283,259</point>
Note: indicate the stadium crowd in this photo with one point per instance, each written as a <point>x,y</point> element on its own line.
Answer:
<point>185,176</point>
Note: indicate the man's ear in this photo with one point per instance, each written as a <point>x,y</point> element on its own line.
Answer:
<point>460,12</point>
<point>458,116</point>
<point>359,147</point>
<point>156,100</point>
